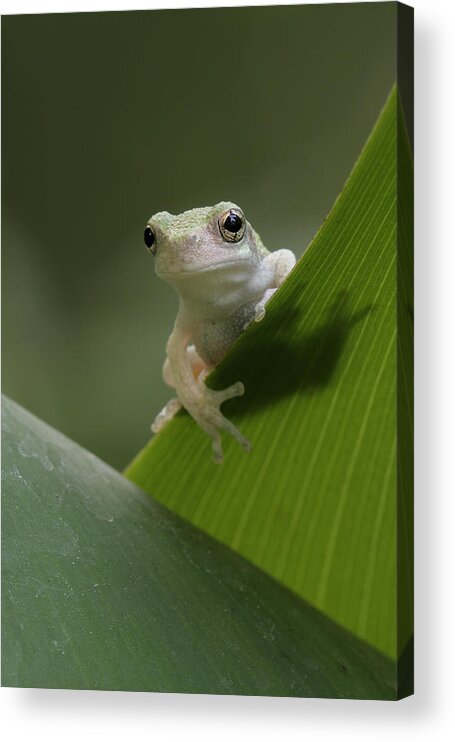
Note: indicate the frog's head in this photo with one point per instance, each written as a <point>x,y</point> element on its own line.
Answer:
<point>211,240</point>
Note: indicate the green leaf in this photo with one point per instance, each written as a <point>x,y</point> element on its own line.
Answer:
<point>315,504</point>
<point>104,588</point>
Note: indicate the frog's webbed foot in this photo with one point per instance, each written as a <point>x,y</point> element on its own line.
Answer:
<point>166,414</point>
<point>209,416</point>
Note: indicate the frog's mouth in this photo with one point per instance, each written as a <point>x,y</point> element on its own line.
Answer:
<point>222,265</point>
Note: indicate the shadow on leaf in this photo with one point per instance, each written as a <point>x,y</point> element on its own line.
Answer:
<point>305,365</point>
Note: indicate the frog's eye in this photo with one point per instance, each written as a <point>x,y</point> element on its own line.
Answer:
<point>149,239</point>
<point>232,225</point>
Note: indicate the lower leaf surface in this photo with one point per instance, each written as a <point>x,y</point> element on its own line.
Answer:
<point>104,588</point>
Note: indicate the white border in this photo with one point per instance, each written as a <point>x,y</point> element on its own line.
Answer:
<point>70,715</point>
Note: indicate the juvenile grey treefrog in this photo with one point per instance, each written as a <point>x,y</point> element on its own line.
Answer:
<point>224,277</point>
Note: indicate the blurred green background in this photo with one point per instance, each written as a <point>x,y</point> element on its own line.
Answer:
<point>110,117</point>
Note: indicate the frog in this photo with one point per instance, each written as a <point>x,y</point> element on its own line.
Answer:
<point>224,276</point>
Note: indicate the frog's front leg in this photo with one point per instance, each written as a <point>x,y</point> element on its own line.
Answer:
<point>281,263</point>
<point>202,403</point>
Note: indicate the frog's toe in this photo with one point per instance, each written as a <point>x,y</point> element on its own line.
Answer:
<point>246,444</point>
<point>220,423</point>
<point>166,414</point>
<point>217,448</point>
<point>259,312</point>
<point>235,390</point>
<point>230,428</point>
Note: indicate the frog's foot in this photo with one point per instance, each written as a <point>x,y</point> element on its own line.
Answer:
<point>166,414</point>
<point>212,420</point>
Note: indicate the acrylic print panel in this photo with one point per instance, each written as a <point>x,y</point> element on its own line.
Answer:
<point>285,569</point>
